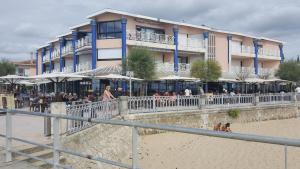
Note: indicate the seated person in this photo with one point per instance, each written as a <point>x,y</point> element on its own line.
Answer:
<point>226,127</point>
<point>218,127</point>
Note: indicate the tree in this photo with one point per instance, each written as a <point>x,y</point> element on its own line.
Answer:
<point>7,68</point>
<point>289,70</point>
<point>209,70</point>
<point>141,62</point>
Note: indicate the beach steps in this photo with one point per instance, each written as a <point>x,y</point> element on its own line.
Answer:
<point>36,151</point>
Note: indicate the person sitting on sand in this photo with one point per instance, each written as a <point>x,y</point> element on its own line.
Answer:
<point>218,127</point>
<point>226,127</point>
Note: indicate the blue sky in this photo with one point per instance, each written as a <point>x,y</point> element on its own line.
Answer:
<point>25,25</point>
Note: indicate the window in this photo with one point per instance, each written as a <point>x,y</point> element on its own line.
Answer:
<point>110,54</point>
<point>109,30</point>
<point>150,30</point>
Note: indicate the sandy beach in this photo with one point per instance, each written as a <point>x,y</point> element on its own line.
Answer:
<point>185,151</point>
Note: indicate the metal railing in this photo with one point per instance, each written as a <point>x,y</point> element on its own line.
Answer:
<point>55,54</point>
<point>169,67</point>
<point>239,100</point>
<point>67,69</point>
<point>147,104</point>
<point>191,44</point>
<point>94,110</point>
<point>57,148</point>
<point>150,37</point>
<point>83,66</point>
<point>275,98</point>
<point>84,42</point>
<point>68,49</point>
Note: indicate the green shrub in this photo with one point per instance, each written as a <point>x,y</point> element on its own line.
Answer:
<point>234,113</point>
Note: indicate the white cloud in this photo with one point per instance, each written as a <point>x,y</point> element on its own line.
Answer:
<point>33,22</point>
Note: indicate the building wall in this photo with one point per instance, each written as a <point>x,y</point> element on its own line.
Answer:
<point>222,51</point>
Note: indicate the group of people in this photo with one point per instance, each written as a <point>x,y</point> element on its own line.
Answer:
<point>225,127</point>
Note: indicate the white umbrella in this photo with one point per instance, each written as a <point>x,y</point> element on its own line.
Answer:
<point>26,83</point>
<point>175,78</point>
<point>116,76</point>
<point>58,77</point>
<point>254,80</point>
<point>226,80</point>
<point>12,79</point>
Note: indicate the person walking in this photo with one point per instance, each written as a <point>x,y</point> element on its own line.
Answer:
<point>107,96</point>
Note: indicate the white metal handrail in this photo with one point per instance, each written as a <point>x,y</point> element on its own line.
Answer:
<point>67,69</point>
<point>57,149</point>
<point>68,49</point>
<point>84,42</point>
<point>146,104</point>
<point>191,44</point>
<point>94,110</point>
<point>83,66</point>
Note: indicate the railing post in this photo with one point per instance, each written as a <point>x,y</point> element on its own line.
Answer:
<point>135,152</point>
<point>285,157</point>
<point>8,137</point>
<point>256,99</point>
<point>56,142</point>
<point>154,103</point>
<point>123,105</point>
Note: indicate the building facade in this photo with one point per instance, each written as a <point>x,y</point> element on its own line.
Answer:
<point>25,68</point>
<point>109,36</point>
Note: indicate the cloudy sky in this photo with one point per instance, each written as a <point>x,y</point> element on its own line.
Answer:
<point>25,25</point>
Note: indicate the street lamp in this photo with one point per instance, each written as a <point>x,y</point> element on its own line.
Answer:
<point>130,74</point>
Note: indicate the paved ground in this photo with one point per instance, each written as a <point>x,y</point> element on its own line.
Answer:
<point>26,127</point>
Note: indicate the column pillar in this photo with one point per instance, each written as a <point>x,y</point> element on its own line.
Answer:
<point>175,32</point>
<point>37,62</point>
<point>50,58</point>
<point>94,43</point>
<point>74,41</point>
<point>43,54</point>
<point>281,53</point>
<point>255,43</point>
<point>61,45</point>
<point>205,36</point>
<point>229,38</point>
<point>123,27</point>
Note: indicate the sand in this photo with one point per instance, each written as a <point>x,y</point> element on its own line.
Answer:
<point>185,151</point>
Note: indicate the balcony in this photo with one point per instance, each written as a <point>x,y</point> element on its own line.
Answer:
<point>56,70</point>
<point>152,40</point>
<point>269,53</point>
<point>85,42</point>
<point>46,58</point>
<point>67,50</point>
<point>169,68</point>
<point>55,54</point>
<point>67,69</point>
<point>83,66</point>
<point>192,45</point>
<point>248,51</point>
